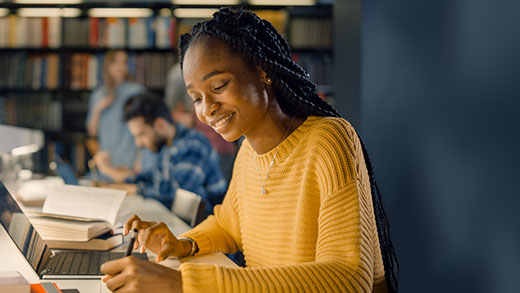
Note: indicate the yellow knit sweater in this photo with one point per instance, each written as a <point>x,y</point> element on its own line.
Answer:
<point>314,230</point>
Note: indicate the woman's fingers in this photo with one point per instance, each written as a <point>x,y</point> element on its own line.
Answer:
<point>158,230</point>
<point>143,276</point>
<point>129,224</point>
<point>163,255</point>
<point>117,281</point>
<point>114,267</point>
<point>136,223</point>
<point>158,238</point>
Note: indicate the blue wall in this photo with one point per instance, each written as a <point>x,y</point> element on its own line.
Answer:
<point>440,108</point>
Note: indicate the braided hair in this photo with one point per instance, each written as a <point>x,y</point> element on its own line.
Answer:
<point>263,46</point>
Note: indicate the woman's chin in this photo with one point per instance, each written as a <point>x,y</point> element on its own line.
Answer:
<point>229,137</point>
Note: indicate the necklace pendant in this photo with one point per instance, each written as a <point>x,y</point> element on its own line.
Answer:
<point>263,191</point>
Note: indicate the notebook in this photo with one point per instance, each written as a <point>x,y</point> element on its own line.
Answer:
<point>73,264</point>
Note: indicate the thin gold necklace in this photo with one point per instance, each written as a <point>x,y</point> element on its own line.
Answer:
<point>264,192</point>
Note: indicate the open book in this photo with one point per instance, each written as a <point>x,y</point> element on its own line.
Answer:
<point>77,213</point>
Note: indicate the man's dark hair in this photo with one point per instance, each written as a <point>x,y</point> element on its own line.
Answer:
<point>148,106</point>
<point>262,46</point>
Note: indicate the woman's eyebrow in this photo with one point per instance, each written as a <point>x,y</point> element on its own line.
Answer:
<point>207,76</point>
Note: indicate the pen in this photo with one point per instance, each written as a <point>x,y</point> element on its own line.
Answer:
<point>133,235</point>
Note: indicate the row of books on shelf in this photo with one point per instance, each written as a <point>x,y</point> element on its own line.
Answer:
<point>310,33</point>
<point>78,71</point>
<point>319,66</point>
<point>139,33</point>
<point>21,70</point>
<point>55,32</point>
<point>32,110</point>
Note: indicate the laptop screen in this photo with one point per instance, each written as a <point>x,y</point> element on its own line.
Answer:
<point>22,231</point>
<point>65,171</point>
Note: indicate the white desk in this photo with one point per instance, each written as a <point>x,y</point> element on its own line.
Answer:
<point>147,209</point>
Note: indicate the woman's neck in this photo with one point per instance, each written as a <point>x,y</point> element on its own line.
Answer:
<point>272,132</point>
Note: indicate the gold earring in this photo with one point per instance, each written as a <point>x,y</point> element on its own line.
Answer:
<point>268,81</point>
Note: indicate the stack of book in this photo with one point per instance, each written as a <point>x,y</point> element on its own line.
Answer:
<point>80,217</point>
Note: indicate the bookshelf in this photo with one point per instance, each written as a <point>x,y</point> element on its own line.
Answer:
<point>49,65</point>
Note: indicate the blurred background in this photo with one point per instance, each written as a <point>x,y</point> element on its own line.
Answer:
<point>433,88</point>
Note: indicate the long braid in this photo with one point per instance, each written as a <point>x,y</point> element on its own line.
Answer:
<point>261,44</point>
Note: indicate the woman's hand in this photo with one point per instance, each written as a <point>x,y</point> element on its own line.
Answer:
<point>105,102</point>
<point>131,274</point>
<point>158,238</point>
<point>102,160</point>
<point>93,123</point>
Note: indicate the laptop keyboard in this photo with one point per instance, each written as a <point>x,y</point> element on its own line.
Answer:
<point>79,262</point>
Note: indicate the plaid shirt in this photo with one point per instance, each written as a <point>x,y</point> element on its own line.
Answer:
<point>189,163</point>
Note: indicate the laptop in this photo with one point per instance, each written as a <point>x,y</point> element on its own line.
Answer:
<point>70,264</point>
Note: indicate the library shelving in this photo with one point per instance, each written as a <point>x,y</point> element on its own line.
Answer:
<point>49,65</point>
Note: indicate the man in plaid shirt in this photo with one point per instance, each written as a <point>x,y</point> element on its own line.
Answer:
<point>184,157</point>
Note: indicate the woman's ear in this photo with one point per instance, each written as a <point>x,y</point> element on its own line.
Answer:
<point>264,78</point>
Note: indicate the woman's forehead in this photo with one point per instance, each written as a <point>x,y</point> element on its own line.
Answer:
<point>211,56</point>
<point>208,48</point>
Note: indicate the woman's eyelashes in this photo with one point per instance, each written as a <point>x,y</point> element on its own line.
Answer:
<point>196,100</point>
<point>221,86</point>
<point>217,89</point>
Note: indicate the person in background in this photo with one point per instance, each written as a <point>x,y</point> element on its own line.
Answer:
<point>185,158</point>
<point>302,204</point>
<point>176,97</point>
<point>105,113</point>
<point>182,111</point>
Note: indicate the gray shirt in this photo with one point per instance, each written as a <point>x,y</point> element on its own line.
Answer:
<point>175,90</point>
<point>113,134</point>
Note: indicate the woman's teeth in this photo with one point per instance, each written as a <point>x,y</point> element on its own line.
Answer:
<point>222,121</point>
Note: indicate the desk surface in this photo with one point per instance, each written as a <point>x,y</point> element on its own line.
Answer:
<point>146,209</point>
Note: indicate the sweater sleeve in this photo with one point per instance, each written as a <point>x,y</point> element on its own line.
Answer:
<point>343,260</point>
<point>219,232</point>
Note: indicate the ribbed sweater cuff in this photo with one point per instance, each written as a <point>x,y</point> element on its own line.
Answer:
<point>203,241</point>
<point>200,277</point>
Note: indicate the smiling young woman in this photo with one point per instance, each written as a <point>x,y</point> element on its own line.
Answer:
<point>302,203</point>
<point>233,96</point>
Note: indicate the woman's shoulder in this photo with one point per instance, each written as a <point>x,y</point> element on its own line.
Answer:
<point>131,86</point>
<point>334,146</point>
<point>98,91</point>
<point>332,128</point>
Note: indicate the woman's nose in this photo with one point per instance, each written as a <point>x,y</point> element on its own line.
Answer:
<point>210,106</point>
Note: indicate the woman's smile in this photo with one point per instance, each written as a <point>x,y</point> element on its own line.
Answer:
<point>221,124</point>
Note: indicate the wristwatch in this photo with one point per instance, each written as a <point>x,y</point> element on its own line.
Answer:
<point>194,247</point>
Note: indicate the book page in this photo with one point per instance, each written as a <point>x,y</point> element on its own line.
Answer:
<point>84,201</point>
